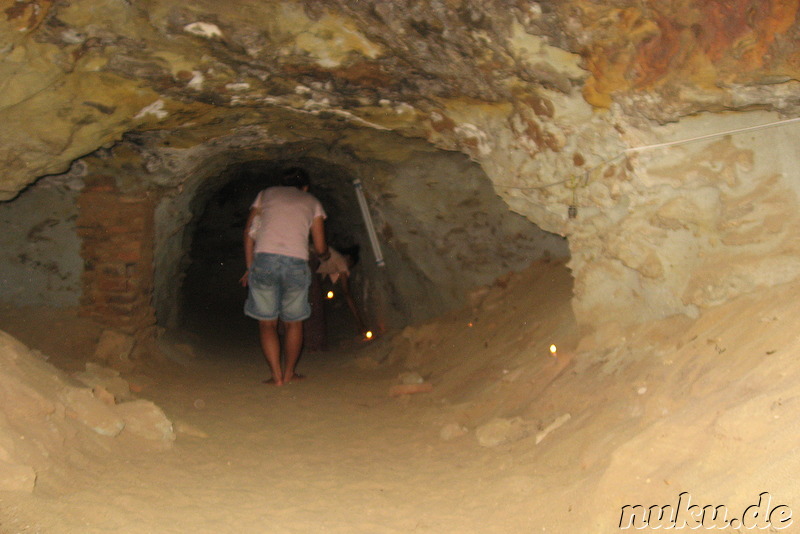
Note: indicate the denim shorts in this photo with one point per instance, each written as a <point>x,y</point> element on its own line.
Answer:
<point>278,288</point>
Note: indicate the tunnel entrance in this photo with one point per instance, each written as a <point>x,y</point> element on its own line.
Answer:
<point>440,237</point>
<point>443,231</point>
<point>211,297</point>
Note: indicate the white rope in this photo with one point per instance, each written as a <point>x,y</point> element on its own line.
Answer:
<point>586,173</point>
<point>711,136</point>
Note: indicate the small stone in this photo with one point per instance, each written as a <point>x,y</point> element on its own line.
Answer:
<point>560,420</point>
<point>113,347</point>
<point>109,379</point>
<point>411,378</point>
<point>203,29</point>
<point>143,418</point>
<point>452,431</point>
<point>183,427</point>
<point>499,431</point>
<point>104,396</point>
<point>82,405</point>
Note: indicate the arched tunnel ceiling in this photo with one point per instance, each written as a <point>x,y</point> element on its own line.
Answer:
<point>539,94</point>
<point>442,227</point>
<point>92,70</point>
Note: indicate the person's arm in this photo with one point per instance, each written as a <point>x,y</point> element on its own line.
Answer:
<point>249,246</point>
<point>318,238</point>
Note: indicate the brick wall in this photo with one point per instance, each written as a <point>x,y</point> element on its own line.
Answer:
<point>117,248</point>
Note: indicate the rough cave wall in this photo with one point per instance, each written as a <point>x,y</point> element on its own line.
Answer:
<point>545,96</point>
<point>41,262</point>
<point>693,224</point>
<point>439,211</point>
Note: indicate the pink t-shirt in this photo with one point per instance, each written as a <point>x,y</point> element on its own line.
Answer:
<point>284,221</point>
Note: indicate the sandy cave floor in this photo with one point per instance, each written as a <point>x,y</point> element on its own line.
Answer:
<point>549,444</point>
<point>332,454</point>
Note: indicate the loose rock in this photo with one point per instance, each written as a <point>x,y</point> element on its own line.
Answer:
<point>82,405</point>
<point>452,431</point>
<point>114,347</point>
<point>144,419</point>
<point>499,431</point>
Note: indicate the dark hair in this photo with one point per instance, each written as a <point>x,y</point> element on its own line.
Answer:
<point>353,252</point>
<point>295,177</point>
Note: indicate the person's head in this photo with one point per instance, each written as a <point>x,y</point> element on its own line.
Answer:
<point>295,177</point>
<point>351,254</point>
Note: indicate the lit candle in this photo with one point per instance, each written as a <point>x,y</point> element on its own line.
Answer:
<point>330,294</point>
<point>368,334</point>
<point>553,350</point>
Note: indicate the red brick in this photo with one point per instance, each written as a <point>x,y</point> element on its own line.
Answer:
<point>99,188</point>
<point>119,229</point>
<point>113,269</point>
<point>128,199</point>
<point>117,241</point>
<point>109,284</point>
<point>126,299</point>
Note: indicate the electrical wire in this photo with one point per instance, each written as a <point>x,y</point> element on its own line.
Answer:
<point>573,180</point>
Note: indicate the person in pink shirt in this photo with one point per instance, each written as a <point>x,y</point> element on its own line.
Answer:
<point>278,276</point>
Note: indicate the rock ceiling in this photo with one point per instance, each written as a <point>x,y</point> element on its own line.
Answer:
<point>77,75</point>
<point>539,94</point>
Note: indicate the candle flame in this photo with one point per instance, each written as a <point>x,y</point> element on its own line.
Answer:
<point>329,294</point>
<point>368,334</point>
<point>553,350</point>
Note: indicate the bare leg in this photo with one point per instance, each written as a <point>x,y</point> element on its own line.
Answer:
<point>294,344</point>
<point>271,346</point>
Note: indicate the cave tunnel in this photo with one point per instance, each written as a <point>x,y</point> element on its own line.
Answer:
<point>588,219</point>
<point>210,300</point>
<point>389,296</point>
<point>132,255</point>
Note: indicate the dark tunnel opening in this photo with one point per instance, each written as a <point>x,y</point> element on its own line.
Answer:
<point>211,298</point>
<point>439,241</point>
<point>443,229</point>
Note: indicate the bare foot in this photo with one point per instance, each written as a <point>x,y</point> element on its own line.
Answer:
<point>272,382</point>
<point>294,378</point>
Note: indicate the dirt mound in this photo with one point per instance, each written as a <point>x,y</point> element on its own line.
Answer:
<point>622,416</point>
<point>48,418</point>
